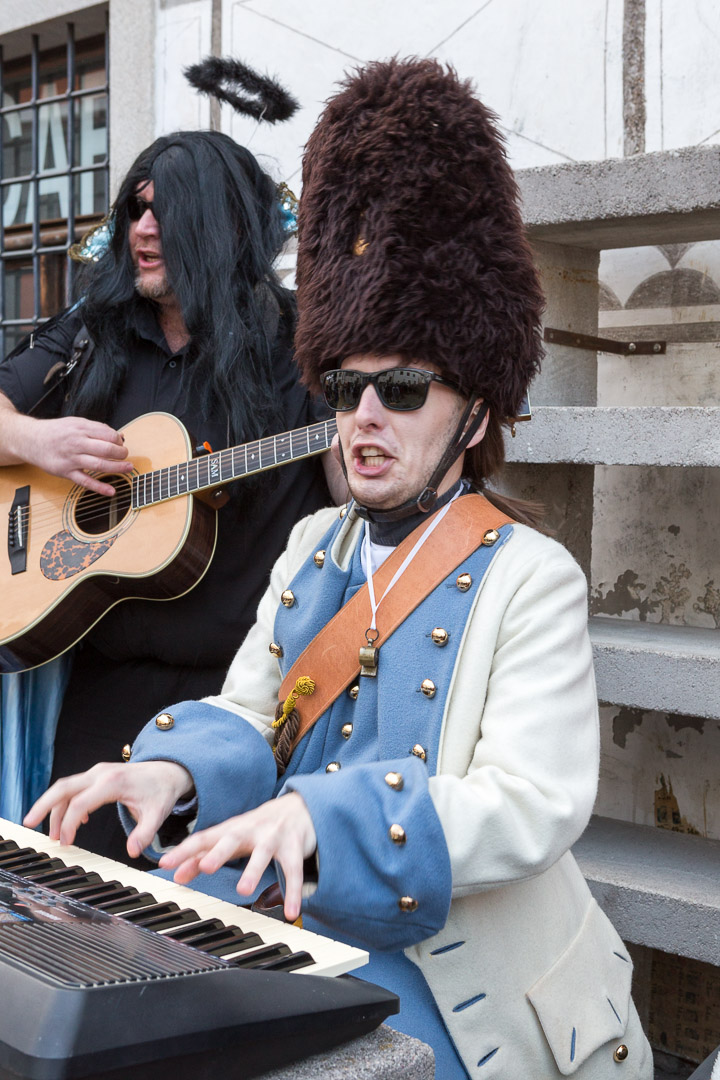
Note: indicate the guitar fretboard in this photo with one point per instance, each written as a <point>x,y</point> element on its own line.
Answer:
<point>215,469</point>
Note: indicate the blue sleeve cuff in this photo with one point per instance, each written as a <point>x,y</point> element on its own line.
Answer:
<point>384,867</point>
<point>232,766</point>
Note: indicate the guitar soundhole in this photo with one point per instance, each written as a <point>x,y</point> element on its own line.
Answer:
<point>96,514</point>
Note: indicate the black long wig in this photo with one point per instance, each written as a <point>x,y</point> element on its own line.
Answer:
<point>221,230</point>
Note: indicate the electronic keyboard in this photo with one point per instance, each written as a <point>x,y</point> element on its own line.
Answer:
<point>107,971</point>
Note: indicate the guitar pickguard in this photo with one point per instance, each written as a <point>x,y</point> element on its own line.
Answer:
<point>64,555</point>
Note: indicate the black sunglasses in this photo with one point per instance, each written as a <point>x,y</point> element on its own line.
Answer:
<point>136,207</point>
<point>402,389</point>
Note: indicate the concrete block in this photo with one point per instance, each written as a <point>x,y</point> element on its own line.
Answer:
<point>662,198</point>
<point>566,494</point>
<point>656,666</point>
<point>384,1054</point>
<point>653,435</point>
<point>660,888</point>
<point>570,283</point>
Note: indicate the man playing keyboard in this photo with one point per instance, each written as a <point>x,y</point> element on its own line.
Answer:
<point>408,736</point>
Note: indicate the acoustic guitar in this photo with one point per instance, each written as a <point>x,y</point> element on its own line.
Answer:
<point>72,554</point>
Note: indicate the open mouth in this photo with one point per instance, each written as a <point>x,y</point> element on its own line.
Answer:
<point>371,460</point>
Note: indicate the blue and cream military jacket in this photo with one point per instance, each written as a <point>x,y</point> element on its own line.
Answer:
<point>445,793</point>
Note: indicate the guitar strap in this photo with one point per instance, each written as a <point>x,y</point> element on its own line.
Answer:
<point>82,349</point>
<point>331,660</point>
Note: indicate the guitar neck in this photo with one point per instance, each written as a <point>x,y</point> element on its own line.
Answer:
<point>216,469</point>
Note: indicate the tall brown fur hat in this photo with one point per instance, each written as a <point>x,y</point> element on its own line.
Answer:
<point>410,237</point>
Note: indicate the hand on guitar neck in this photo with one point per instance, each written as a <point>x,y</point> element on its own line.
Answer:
<point>70,447</point>
<point>149,790</point>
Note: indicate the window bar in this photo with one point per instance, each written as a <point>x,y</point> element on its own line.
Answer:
<point>2,219</point>
<point>35,166</point>
<point>70,236</point>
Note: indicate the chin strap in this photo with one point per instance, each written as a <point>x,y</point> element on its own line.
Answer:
<point>425,501</point>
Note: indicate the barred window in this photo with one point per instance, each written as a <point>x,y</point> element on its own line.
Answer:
<point>53,173</point>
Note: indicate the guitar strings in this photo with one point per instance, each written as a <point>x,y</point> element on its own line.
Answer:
<point>92,507</point>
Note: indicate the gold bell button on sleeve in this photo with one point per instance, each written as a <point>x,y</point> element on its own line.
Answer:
<point>463,582</point>
<point>397,834</point>
<point>419,751</point>
<point>319,558</point>
<point>490,537</point>
<point>439,636</point>
<point>346,731</point>
<point>428,687</point>
<point>287,598</point>
<point>332,766</point>
<point>126,752</point>
<point>407,904</point>
<point>275,650</point>
<point>621,1053</point>
<point>354,690</point>
<point>394,780</point>
<point>164,721</point>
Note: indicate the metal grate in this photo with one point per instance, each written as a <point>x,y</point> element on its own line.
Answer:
<point>53,173</point>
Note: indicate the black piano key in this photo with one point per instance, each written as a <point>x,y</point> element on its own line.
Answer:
<point>8,845</point>
<point>166,922</point>
<point>231,943</point>
<point>151,910</point>
<point>16,858</point>
<point>101,891</point>
<point>72,877</point>
<point>33,861</point>
<point>47,866</point>
<point>132,903</point>
<point>292,962</point>
<point>189,933</point>
<point>270,952</point>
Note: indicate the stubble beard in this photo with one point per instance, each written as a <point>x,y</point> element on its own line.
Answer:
<point>153,289</point>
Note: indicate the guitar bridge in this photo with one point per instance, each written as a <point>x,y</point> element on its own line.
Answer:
<point>19,529</point>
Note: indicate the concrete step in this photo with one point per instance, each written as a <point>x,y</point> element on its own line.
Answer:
<point>661,889</point>
<point>662,198</point>
<point>656,666</point>
<point>637,435</point>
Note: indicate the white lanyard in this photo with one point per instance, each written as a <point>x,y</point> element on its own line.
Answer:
<point>402,568</point>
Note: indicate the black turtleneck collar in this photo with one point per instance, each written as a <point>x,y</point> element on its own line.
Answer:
<point>392,533</point>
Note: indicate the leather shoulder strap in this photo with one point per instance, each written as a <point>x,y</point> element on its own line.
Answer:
<point>331,659</point>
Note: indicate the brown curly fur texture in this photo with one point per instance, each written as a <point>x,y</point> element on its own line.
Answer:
<point>407,158</point>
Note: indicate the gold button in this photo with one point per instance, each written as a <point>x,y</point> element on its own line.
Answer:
<point>275,649</point>
<point>287,598</point>
<point>397,834</point>
<point>394,780</point>
<point>419,751</point>
<point>621,1053</point>
<point>343,512</point>
<point>440,636</point>
<point>407,904</point>
<point>346,730</point>
<point>464,581</point>
<point>428,687</point>
<point>164,721</point>
<point>319,558</point>
<point>126,752</point>
<point>491,537</point>
<point>354,690</point>
<point>333,766</point>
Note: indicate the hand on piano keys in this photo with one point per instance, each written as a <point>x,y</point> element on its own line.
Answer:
<point>281,830</point>
<point>149,790</point>
<point>242,937</point>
